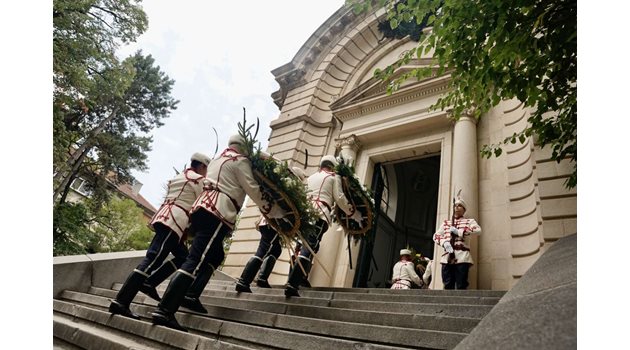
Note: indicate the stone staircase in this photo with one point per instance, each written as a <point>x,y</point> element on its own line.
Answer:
<point>322,318</point>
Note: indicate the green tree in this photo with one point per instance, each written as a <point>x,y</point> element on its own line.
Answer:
<point>102,108</point>
<point>87,228</point>
<point>120,226</point>
<point>494,51</point>
<point>71,234</point>
<point>86,34</point>
<point>113,130</point>
<point>113,140</point>
<point>103,112</point>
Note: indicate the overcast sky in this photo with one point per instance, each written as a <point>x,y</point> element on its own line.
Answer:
<point>220,55</point>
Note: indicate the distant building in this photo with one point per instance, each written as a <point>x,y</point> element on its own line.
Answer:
<point>79,191</point>
<point>415,158</point>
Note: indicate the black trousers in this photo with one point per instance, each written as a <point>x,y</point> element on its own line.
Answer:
<point>164,242</point>
<point>207,246</point>
<point>313,241</point>
<point>455,276</point>
<point>269,243</point>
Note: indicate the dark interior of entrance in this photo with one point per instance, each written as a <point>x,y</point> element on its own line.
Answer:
<point>406,195</point>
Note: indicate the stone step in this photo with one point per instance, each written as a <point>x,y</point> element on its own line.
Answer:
<point>223,284</point>
<point>452,310</point>
<point>393,319</point>
<point>320,297</point>
<point>273,300</point>
<point>265,336</point>
<point>94,328</point>
<point>89,336</point>
<point>60,344</point>
<point>437,292</point>
<point>343,295</point>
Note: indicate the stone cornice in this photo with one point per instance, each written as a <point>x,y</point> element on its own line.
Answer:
<point>355,109</point>
<point>277,124</point>
<point>322,41</point>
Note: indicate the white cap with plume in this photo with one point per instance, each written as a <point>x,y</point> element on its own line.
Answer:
<point>405,252</point>
<point>201,158</point>
<point>236,138</point>
<point>330,159</point>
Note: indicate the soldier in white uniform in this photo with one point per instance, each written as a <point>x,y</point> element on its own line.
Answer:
<point>269,249</point>
<point>169,224</point>
<point>455,274</point>
<point>426,277</point>
<point>404,273</point>
<point>325,191</point>
<point>213,216</point>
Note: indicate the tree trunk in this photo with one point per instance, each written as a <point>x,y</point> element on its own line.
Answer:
<point>66,189</point>
<point>76,158</point>
<point>67,180</point>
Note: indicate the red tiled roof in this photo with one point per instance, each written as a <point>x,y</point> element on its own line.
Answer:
<point>127,190</point>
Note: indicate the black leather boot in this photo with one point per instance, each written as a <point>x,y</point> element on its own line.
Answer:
<point>250,270</point>
<point>120,305</point>
<point>296,277</point>
<point>158,276</point>
<point>191,300</point>
<point>265,271</point>
<point>165,313</point>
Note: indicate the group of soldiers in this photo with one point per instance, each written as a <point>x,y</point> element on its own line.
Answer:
<point>456,260</point>
<point>204,201</point>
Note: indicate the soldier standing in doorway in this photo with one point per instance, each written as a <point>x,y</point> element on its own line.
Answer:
<point>458,230</point>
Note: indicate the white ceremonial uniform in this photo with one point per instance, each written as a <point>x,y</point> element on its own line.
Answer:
<point>427,273</point>
<point>461,246</point>
<point>325,190</point>
<point>229,180</point>
<point>403,275</point>
<point>182,192</point>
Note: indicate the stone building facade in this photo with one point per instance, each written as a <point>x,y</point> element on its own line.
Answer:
<point>414,157</point>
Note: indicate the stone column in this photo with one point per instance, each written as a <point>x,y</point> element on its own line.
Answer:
<point>464,176</point>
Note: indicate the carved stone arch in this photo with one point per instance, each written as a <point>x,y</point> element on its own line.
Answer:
<point>347,62</point>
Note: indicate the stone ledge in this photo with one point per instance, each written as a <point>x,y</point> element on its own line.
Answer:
<point>540,312</point>
<point>79,272</point>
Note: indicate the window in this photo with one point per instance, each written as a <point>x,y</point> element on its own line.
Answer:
<point>385,196</point>
<point>80,185</point>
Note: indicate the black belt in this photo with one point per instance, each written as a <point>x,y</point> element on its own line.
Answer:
<point>325,204</point>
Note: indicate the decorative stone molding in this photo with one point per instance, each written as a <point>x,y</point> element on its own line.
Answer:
<point>349,147</point>
<point>415,92</point>
<point>292,74</point>
<point>287,82</point>
<point>351,142</point>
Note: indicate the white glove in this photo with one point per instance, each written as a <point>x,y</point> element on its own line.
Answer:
<point>454,231</point>
<point>276,212</point>
<point>357,218</point>
<point>448,247</point>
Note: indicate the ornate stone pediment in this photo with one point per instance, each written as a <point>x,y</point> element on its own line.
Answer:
<point>372,94</point>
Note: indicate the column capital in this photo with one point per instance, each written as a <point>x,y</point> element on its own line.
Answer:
<point>351,142</point>
<point>467,115</point>
<point>348,148</point>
